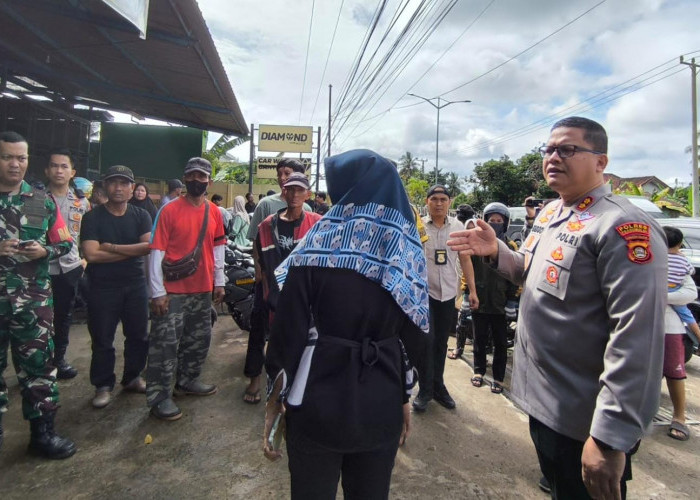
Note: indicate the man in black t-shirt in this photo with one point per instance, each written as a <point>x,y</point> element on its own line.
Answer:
<point>114,238</point>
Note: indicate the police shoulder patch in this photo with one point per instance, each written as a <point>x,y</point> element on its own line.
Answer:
<point>638,236</point>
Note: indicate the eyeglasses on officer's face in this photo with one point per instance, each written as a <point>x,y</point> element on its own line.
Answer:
<point>566,150</point>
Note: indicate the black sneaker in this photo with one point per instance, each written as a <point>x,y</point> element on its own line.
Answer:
<point>64,371</point>
<point>166,410</point>
<point>443,398</point>
<point>420,402</point>
<point>195,388</point>
<point>544,485</point>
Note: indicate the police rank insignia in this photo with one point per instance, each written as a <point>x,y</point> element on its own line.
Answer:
<point>637,236</point>
<point>585,203</point>
<point>574,225</point>
<point>557,254</point>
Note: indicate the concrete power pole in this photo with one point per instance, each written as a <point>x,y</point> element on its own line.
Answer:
<point>694,143</point>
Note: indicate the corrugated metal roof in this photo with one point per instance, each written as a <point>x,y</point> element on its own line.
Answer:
<point>82,49</point>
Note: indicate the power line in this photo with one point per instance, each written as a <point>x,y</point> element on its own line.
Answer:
<point>534,126</point>
<point>383,113</point>
<point>526,50</point>
<point>328,56</point>
<point>422,31</point>
<point>306,63</point>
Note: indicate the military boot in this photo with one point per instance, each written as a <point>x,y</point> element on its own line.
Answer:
<point>45,442</point>
<point>64,370</point>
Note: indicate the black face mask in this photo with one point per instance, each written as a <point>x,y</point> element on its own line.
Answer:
<point>196,188</point>
<point>499,228</point>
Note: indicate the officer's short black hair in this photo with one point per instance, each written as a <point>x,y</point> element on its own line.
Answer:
<point>593,132</point>
<point>11,137</point>
<point>295,165</point>
<point>321,195</point>
<point>217,197</point>
<point>674,236</point>
<point>62,152</point>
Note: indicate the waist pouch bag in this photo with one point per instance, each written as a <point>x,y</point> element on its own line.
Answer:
<point>187,265</point>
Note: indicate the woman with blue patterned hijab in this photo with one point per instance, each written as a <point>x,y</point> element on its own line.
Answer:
<point>352,311</point>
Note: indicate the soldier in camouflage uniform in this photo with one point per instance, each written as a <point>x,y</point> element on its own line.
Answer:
<point>181,321</point>
<point>32,232</point>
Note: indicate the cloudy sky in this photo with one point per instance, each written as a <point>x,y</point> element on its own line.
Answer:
<point>523,64</point>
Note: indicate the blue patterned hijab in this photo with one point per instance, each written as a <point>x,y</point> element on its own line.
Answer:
<point>371,229</point>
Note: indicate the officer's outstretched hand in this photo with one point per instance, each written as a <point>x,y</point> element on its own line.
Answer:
<point>478,241</point>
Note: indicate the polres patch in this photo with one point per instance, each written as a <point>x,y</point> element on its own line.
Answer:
<point>638,236</point>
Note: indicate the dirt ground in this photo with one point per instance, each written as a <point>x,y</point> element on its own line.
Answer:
<point>481,450</point>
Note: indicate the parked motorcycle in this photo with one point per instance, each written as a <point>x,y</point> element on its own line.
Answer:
<point>240,283</point>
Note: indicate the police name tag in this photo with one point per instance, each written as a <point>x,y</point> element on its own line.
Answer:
<point>440,257</point>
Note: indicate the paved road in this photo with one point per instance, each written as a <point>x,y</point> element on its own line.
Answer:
<point>480,450</point>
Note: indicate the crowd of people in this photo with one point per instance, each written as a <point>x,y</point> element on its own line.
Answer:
<point>357,300</point>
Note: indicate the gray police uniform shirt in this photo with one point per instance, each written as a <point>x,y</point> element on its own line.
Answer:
<point>443,280</point>
<point>590,336</point>
<point>72,210</point>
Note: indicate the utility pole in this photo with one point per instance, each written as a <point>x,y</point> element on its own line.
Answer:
<point>437,133</point>
<point>694,144</point>
<point>422,165</point>
<point>330,89</point>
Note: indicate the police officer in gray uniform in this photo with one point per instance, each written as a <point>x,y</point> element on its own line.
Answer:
<point>588,356</point>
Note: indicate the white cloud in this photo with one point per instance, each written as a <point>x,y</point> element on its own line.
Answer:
<point>264,50</point>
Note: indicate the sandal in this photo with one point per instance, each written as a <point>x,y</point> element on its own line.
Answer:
<point>252,398</point>
<point>496,388</point>
<point>477,380</point>
<point>682,433</point>
<point>455,353</point>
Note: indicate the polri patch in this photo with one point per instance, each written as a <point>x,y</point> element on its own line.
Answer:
<point>638,236</point>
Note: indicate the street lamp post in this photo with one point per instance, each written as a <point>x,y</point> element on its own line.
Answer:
<point>437,106</point>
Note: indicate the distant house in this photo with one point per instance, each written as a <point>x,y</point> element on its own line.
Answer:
<point>649,184</point>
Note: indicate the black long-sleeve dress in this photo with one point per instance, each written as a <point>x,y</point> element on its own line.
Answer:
<point>338,339</point>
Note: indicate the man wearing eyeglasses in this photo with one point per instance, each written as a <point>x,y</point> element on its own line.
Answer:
<point>588,355</point>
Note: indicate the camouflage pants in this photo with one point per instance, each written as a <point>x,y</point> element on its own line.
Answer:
<point>28,334</point>
<point>178,342</point>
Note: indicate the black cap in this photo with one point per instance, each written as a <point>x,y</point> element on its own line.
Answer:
<point>119,171</point>
<point>438,189</point>
<point>174,184</point>
<point>198,164</point>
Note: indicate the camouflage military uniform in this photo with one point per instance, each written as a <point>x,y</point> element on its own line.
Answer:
<point>26,313</point>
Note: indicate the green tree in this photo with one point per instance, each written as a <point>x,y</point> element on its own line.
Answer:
<point>508,182</point>
<point>417,189</point>
<point>217,154</point>
<point>408,167</point>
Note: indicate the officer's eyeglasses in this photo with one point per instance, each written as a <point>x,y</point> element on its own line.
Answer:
<point>566,150</point>
<point>19,158</point>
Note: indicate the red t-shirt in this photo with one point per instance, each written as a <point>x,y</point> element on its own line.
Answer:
<point>175,232</point>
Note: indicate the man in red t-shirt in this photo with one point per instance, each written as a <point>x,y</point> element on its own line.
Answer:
<point>181,321</point>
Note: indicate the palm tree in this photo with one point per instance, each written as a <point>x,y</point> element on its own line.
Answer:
<point>408,166</point>
<point>452,184</point>
<point>217,154</point>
